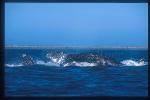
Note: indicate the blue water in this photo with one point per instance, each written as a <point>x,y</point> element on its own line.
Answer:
<point>46,79</point>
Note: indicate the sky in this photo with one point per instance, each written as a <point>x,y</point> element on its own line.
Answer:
<point>76,24</point>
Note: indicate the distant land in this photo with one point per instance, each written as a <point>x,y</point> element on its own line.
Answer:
<point>80,47</point>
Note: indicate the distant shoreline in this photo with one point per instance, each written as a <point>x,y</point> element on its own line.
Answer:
<point>79,47</point>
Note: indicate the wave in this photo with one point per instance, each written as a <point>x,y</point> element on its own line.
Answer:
<point>38,62</point>
<point>14,65</point>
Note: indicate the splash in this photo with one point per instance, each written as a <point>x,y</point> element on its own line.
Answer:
<point>58,59</point>
<point>40,62</point>
<point>133,63</point>
<point>81,60</point>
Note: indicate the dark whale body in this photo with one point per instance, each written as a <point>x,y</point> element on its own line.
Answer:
<point>91,58</point>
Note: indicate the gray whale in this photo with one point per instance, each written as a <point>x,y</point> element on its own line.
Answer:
<point>91,58</point>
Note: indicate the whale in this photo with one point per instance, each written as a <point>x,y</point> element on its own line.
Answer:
<point>91,58</point>
<point>72,59</point>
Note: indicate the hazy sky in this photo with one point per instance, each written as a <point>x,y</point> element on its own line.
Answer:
<point>76,24</point>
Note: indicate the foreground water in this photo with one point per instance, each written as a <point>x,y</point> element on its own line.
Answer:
<point>53,74</point>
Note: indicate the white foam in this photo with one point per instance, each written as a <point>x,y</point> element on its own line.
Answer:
<point>40,62</point>
<point>133,63</point>
<point>13,65</point>
<point>80,64</point>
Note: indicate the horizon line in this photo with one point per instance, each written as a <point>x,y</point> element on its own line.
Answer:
<point>46,46</point>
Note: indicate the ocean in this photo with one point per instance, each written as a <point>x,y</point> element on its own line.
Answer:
<point>76,72</point>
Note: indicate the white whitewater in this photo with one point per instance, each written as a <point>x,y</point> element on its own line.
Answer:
<point>130,62</point>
